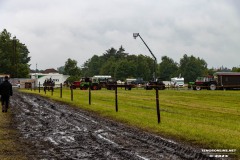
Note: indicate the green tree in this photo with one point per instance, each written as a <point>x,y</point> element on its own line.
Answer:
<point>108,68</point>
<point>211,71</point>
<point>120,54</point>
<point>235,69</point>
<point>109,53</point>
<point>72,70</point>
<point>192,67</point>
<point>60,70</point>
<point>115,62</point>
<point>167,68</point>
<point>93,66</point>
<point>14,56</point>
<point>125,69</point>
<point>143,68</point>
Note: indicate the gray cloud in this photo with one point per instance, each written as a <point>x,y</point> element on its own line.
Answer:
<point>56,30</point>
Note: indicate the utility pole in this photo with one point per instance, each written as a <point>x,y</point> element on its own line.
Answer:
<point>135,35</point>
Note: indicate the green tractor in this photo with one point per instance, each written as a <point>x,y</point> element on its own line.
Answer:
<point>85,82</point>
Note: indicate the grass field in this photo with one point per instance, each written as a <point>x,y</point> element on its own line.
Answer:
<point>9,148</point>
<point>208,119</point>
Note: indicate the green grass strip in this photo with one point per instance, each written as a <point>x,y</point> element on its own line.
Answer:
<point>9,146</point>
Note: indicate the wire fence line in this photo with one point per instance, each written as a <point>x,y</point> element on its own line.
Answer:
<point>115,96</point>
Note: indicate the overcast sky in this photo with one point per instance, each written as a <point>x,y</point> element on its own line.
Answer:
<point>55,30</point>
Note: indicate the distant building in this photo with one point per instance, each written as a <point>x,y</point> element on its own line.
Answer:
<point>41,77</point>
<point>50,70</point>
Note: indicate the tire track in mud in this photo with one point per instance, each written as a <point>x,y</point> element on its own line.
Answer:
<point>52,130</point>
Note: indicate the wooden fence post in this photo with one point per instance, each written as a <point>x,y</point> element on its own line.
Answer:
<point>116,99</point>
<point>89,93</point>
<point>157,105</point>
<point>61,90</point>
<point>39,87</point>
<point>71,93</point>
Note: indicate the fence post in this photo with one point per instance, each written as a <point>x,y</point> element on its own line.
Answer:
<point>39,87</point>
<point>157,105</point>
<point>61,90</point>
<point>89,93</point>
<point>116,99</point>
<point>71,93</point>
<point>52,88</point>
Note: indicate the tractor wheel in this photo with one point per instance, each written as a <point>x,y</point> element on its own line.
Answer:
<point>94,88</point>
<point>84,88</point>
<point>212,87</point>
<point>198,88</point>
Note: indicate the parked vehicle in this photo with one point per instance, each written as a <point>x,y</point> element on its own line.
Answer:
<point>206,82</point>
<point>177,82</point>
<point>155,84</point>
<point>130,83</point>
<point>110,84</point>
<point>190,85</point>
<point>227,80</point>
<point>102,79</point>
<point>219,80</point>
<point>76,84</point>
<point>95,84</point>
<point>87,82</point>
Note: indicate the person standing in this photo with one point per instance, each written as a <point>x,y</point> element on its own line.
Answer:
<point>6,92</point>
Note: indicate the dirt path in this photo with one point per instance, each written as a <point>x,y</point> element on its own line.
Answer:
<point>51,130</point>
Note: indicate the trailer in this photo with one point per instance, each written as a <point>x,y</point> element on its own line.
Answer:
<point>219,80</point>
<point>101,79</point>
<point>227,80</point>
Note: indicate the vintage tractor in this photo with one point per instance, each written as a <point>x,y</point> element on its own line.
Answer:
<point>111,84</point>
<point>85,82</point>
<point>206,82</point>
<point>75,84</point>
<point>155,84</point>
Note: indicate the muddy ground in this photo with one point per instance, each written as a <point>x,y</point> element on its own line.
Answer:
<point>50,130</point>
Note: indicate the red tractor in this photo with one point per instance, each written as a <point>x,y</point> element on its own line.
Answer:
<point>76,84</point>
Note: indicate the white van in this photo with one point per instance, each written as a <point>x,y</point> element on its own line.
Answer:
<point>177,82</point>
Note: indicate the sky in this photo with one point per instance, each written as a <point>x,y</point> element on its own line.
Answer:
<point>55,30</point>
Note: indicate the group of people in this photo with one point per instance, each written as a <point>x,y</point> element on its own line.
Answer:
<point>48,84</point>
<point>5,92</point>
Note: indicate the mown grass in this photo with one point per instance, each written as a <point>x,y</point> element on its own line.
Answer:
<point>9,147</point>
<point>208,119</point>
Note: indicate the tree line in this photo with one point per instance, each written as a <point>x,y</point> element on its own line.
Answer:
<point>14,57</point>
<point>121,65</point>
